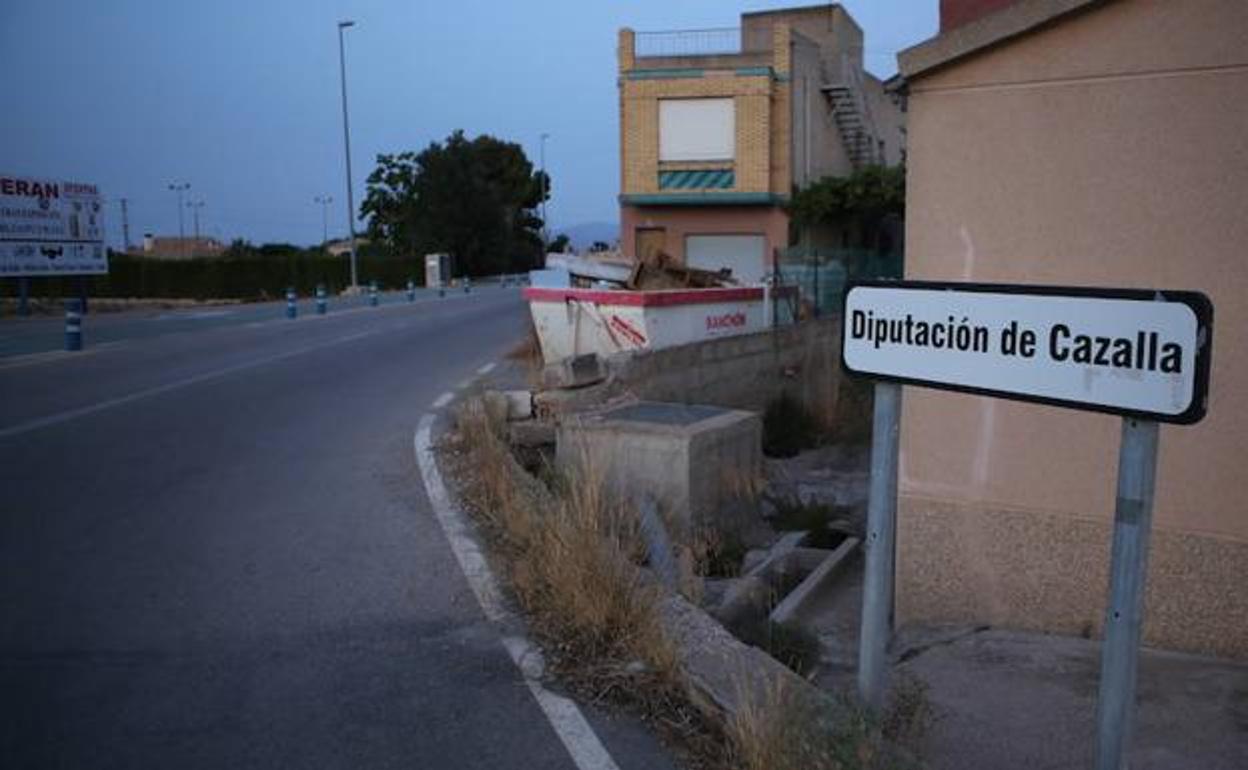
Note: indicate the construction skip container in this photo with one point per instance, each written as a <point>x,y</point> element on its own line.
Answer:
<point>571,322</point>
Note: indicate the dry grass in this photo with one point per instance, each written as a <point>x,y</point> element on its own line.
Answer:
<point>570,552</point>
<point>779,729</point>
<point>570,558</point>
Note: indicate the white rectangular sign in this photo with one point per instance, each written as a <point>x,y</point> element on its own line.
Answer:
<point>50,227</point>
<point>1127,352</point>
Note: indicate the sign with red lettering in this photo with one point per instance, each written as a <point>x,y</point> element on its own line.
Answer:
<point>1124,351</point>
<point>50,227</point>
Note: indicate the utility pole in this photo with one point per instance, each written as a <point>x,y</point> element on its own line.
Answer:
<point>324,200</point>
<point>125,227</point>
<point>179,188</point>
<point>195,206</point>
<point>346,141</point>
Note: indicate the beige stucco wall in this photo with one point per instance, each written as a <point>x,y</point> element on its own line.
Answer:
<point>680,221</point>
<point>1110,148</point>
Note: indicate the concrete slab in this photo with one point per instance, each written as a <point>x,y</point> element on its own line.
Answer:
<point>1010,699</point>
<point>1023,700</point>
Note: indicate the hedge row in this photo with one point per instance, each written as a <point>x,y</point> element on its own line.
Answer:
<point>227,277</point>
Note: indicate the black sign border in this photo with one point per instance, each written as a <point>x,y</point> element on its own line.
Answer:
<point>1197,301</point>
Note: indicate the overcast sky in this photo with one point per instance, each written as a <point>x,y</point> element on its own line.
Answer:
<point>241,99</point>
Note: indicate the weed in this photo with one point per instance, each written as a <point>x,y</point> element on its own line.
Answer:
<point>780,729</point>
<point>788,428</point>
<point>570,557</point>
<point>852,421</point>
<point>909,714</point>
<point>790,643</point>
<point>826,523</point>
<point>717,553</point>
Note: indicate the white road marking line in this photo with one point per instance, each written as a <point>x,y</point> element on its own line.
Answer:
<point>443,400</point>
<point>574,731</point>
<point>72,414</point>
<point>471,561</point>
<point>466,383</point>
<point>487,368</point>
<point>570,724</point>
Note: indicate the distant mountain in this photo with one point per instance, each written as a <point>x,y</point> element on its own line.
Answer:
<point>584,234</point>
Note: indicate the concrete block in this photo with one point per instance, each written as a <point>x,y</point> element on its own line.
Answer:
<point>694,460</point>
<point>519,404</point>
<point>508,405</point>
<point>574,372</point>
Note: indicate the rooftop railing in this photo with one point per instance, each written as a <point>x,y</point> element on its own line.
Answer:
<point>701,42</point>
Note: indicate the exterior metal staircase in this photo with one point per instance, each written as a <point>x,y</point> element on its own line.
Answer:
<point>852,115</point>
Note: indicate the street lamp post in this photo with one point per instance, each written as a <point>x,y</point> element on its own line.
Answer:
<point>179,188</point>
<point>195,206</point>
<point>324,200</point>
<point>346,141</point>
<point>545,190</point>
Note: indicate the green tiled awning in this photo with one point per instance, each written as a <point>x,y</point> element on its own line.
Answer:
<point>700,179</point>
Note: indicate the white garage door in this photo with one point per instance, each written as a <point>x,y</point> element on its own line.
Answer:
<point>743,254</point>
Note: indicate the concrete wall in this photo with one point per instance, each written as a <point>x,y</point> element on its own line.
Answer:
<point>889,120</point>
<point>1108,148</point>
<point>817,147</point>
<point>744,372</point>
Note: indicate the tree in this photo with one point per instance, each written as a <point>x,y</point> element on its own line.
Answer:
<point>559,245</point>
<point>865,198</point>
<point>473,199</point>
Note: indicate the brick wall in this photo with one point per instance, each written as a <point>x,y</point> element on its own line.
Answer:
<point>639,122</point>
<point>763,139</point>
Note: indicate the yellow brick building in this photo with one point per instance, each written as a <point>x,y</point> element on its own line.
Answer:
<point>717,127</point>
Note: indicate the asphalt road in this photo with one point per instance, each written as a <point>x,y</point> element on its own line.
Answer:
<point>38,334</point>
<point>216,552</point>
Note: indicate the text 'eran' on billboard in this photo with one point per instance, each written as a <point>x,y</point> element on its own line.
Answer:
<point>1124,351</point>
<point>50,227</point>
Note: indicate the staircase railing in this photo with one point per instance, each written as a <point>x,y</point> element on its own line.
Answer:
<point>851,76</point>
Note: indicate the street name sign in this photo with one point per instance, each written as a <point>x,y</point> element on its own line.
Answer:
<point>1136,353</point>
<point>50,227</point>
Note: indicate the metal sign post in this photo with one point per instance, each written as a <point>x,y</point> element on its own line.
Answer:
<point>880,546</point>
<point>1145,355</point>
<point>1133,521</point>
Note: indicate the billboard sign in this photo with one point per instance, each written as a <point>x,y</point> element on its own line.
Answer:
<point>50,227</point>
<point>1136,353</point>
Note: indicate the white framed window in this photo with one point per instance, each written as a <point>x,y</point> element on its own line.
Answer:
<point>697,129</point>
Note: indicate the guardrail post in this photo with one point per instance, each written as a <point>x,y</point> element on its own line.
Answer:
<point>291,309</point>
<point>73,324</point>
<point>372,293</point>
<point>320,300</point>
<point>411,290</point>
